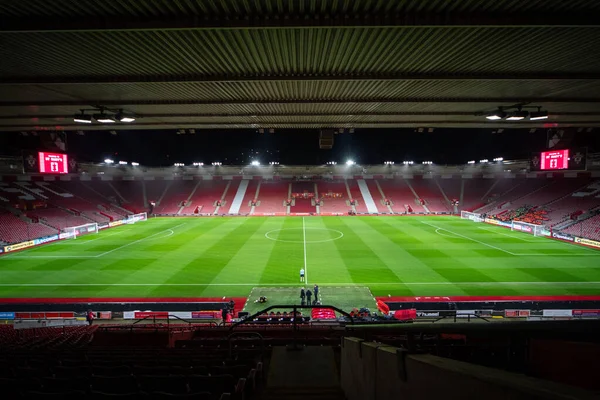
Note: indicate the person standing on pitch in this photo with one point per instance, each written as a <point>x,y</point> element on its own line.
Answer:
<point>301,274</point>
<point>308,296</point>
<point>316,292</point>
<point>302,296</point>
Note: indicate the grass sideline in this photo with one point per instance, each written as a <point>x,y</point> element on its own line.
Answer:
<point>221,256</point>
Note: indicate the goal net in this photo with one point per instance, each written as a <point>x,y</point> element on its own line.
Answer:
<point>472,216</point>
<point>535,230</point>
<point>72,232</point>
<point>132,219</point>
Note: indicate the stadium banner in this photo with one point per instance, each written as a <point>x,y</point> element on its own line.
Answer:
<point>587,242</point>
<point>465,313</point>
<point>517,313</point>
<point>153,314</point>
<point>563,236</point>
<point>19,246</point>
<point>428,314</point>
<point>7,315</point>
<point>104,314</point>
<point>523,228</point>
<point>546,232</point>
<point>205,315</point>
<point>116,223</point>
<point>180,314</point>
<point>45,240</point>
<point>66,235</point>
<point>103,226</point>
<point>557,313</point>
<point>496,222</point>
<point>576,313</point>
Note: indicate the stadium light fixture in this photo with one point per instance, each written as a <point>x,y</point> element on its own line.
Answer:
<point>178,164</point>
<point>216,164</point>
<point>408,162</point>
<point>108,161</point>
<point>471,162</point>
<point>255,163</point>
<point>82,118</point>
<point>484,160</point>
<point>537,115</point>
<point>125,117</point>
<point>350,162</point>
<point>388,163</point>
<point>135,164</point>
<point>498,159</point>
<point>198,164</point>
<point>273,163</point>
<point>427,162</point>
<point>331,163</point>
<point>104,118</point>
<point>123,163</point>
<point>517,115</point>
<point>496,115</point>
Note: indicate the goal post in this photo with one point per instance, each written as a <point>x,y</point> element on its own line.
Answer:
<point>132,219</point>
<point>533,229</point>
<point>72,232</point>
<point>471,215</point>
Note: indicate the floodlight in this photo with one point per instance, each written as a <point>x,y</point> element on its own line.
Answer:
<point>135,164</point>
<point>82,118</point>
<point>123,162</point>
<point>484,160</point>
<point>125,117</point>
<point>108,161</point>
<point>498,159</point>
<point>517,115</point>
<point>350,162</point>
<point>471,162</point>
<point>104,118</point>
<point>255,163</point>
<point>537,115</point>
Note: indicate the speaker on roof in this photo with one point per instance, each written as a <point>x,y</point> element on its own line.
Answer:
<point>326,139</point>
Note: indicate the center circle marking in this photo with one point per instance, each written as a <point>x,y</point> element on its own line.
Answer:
<point>340,235</point>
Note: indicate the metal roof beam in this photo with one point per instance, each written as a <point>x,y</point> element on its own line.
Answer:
<point>301,114</point>
<point>90,80</point>
<point>410,19</point>
<point>120,103</point>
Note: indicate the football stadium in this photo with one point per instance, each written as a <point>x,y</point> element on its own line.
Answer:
<point>259,200</point>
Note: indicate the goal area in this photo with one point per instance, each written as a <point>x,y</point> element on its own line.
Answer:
<point>72,232</point>
<point>533,229</point>
<point>132,219</point>
<point>471,215</point>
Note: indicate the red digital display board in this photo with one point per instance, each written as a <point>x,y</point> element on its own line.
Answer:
<point>551,160</point>
<point>53,163</point>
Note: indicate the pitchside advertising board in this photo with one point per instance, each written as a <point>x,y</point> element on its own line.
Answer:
<point>556,160</point>
<point>44,162</point>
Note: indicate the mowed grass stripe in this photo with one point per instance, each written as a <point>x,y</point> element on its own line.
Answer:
<point>285,259</point>
<point>362,263</point>
<point>410,267</point>
<point>208,263</point>
<point>325,262</point>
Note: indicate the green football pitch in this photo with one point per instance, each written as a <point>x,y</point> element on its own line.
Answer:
<point>221,256</point>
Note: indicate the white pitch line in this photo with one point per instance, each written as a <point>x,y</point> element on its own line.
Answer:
<point>304,240</point>
<point>137,241</point>
<point>295,284</point>
<point>468,238</point>
<point>510,236</point>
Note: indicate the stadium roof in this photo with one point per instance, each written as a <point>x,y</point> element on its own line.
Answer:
<point>298,63</point>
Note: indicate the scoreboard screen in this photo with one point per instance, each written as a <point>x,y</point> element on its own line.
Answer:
<point>551,160</point>
<point>53,163</point>
<point>559,160</point>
